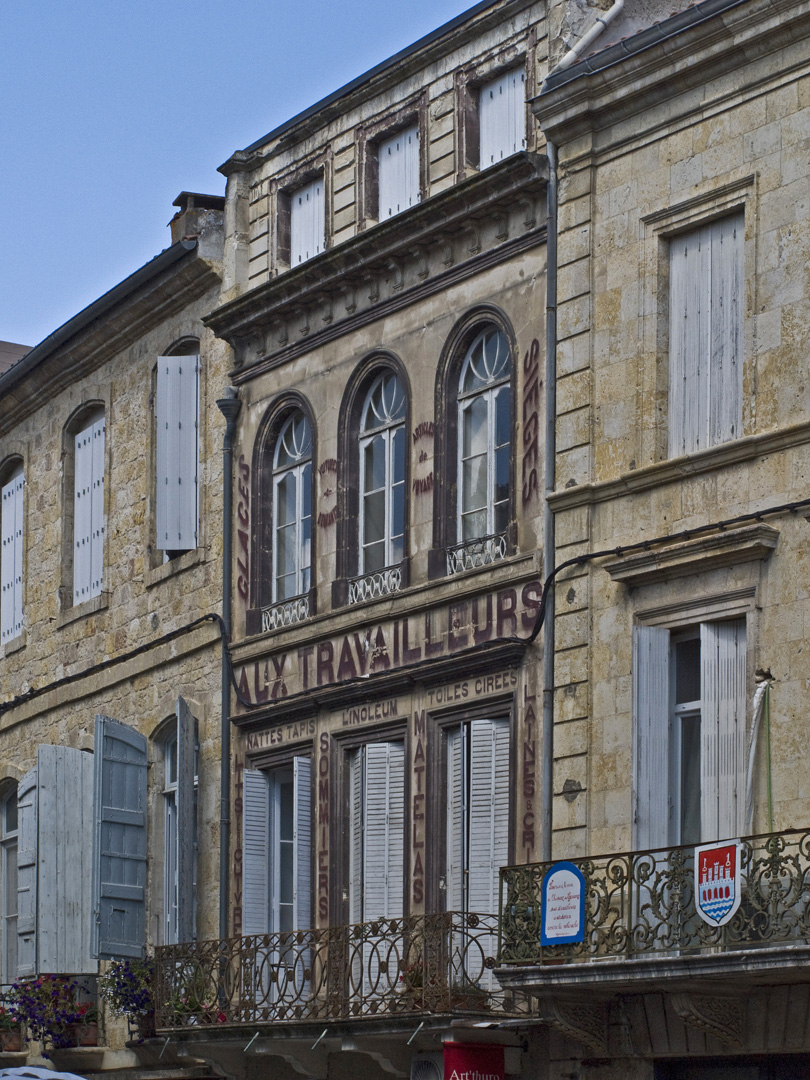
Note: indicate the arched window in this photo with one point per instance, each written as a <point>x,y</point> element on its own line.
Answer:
<point>484,437</point>
<point>382,475</point>
<point>292,509</point>
<point>12,484</point>
<point>83,479</point>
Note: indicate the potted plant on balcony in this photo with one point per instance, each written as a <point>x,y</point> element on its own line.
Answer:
<point>127,987</point>
<point>52,1012</point>
<point>10,1030</point>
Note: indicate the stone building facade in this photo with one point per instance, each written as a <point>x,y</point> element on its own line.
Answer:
<point>104,596</point>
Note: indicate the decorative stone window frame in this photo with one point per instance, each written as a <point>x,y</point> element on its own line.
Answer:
<point>368,137</point>
<point>468,82</point>
<point>445,490</point>
<point>261,524</point>
<point>656,230</point>
<point>348,487</point>
<point>281,189</point>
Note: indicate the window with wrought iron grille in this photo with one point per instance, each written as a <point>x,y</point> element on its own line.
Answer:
<point>292,510</point>
<point>382,477</point>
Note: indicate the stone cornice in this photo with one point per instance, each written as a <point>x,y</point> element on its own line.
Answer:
<point>107,335</point>
<point>664,61</point>
<point>470,225</point>
<point>676,470</point>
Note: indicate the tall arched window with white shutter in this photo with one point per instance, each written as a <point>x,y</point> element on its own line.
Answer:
<point>12,484</point>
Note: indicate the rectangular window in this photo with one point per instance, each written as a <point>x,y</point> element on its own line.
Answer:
<point>180,755</point>
<point>398,164</point>
<point>307,220</point>
<point>88,509</point>
<point>689,703</point>
<point>177,395</point>
<point>705,335</point>
<point>11,557</point>
<point>8,872</point>
<point>502,117</point>
<point>277,847</point>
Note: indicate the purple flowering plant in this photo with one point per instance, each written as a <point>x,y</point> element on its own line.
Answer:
<point>50,1007</point>
<point>127,987</point>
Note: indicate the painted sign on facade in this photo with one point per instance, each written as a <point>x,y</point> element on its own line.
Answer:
<point>563,905</point>
<point>473,1061</point>
<point>717,881</point>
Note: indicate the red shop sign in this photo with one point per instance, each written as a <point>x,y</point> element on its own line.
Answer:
<point>473,1061</point>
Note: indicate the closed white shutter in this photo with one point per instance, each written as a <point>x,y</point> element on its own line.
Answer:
<point>456,820</point>
<point>705,335</point>
<point>356,836</point>
<point>176,452</point>
<point>255,853</point>
<point>302,787</point>
<point>11,522</point>
<point>489,812</point>
<point>651,737</point>
<point>398,160</point>
<point>119,846</point>
<point>186,824</point>
<point>723,709</point>
<point>306,221</point>
<point>502,117</point>
<point>65,860</point>
<point>27,807</point>
<point>82,513</point>
<point>97,508</point>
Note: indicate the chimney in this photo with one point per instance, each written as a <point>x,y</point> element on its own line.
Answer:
<point>196,215</point>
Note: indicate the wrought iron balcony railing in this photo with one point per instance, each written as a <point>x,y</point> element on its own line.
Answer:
<point>379,583</point>
<point>392,967</point>
<point>643,903</point>
<point>285,613</point>
<point>474,553</point>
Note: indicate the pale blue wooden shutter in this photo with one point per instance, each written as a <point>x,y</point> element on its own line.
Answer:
<point>120,842</point>
<point>255,852</point>
<point>723,729</point>
<point>398,175</point>
<point>82,513</point>
<point>11,521</point>
<point>65,860</point>
<point>306,221</point>
<point>186,824</point>
<point>27,806</point>
<point>705,335</point>
<point>176,452</point>
<point>488,812</point>
<point>502,117</point>
<point>650,737</point>
<point>456,821</point>
<point>302,787</point>
<point>97,507</point>
<point>384,826</point>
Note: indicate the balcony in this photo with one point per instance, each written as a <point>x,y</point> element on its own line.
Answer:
<point>645,943</point>
<point>387,970</point>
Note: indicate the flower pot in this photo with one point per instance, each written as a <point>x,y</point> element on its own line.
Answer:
<point>83,1034</point>
<point>11,1041</point>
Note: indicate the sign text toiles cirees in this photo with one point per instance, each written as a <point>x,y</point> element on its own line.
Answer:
<point>717,881</point>
<point>563,905</point>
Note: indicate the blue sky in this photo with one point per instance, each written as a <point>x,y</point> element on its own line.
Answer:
<point>110,108</point>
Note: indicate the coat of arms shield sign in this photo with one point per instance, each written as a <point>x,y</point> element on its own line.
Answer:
<point>717,881</point>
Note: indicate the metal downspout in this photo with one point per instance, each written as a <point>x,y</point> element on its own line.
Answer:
<point>229,406</point>
<point>549,550</point>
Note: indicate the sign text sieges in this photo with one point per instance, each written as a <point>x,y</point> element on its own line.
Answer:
<point>384,646</point>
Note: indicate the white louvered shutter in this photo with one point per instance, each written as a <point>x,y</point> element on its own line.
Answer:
<point>186,823</point>
<point>456,821</point>
<point>11,553</point>
<point>302,788</point>
<point>651,737</point>
<point>723,729</point>
<point>384,824</point>
<point>306,221</point>
<point>65,860</point>
<point>82,513</point>
<point>356,836</point>
<point>177,452</point>
<point>705,335</point>
<point>488,813</point>
<point>97,507</point>
<point>255,852</point>
<point>120,840</point>
<point>502,117</point>
<point>27,806</point>
<point>398,161</point>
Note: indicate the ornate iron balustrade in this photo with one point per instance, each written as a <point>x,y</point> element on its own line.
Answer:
<point>285,613</point>
<point>643,903</point>
<point>473,553</point>
<point>380,583</point>
<point>392,967</point>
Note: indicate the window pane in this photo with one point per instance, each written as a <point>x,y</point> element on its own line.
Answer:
<point>474,525</point>
<point>690,779</point>
<point>286,586</point>
<point>502,416</point>
<point>306,490</point>
<point>687,671</point>
<point>502,474</point>
<point>374,557</point>
<point>475,427</point>
<point>374,464</point>
<point>398,455</point>
<point>11,813</point>
<point>398,510</point>
<point>285,499</point>
<point>374,517</point>
<point>474,484</point>
<point>285,549</point>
